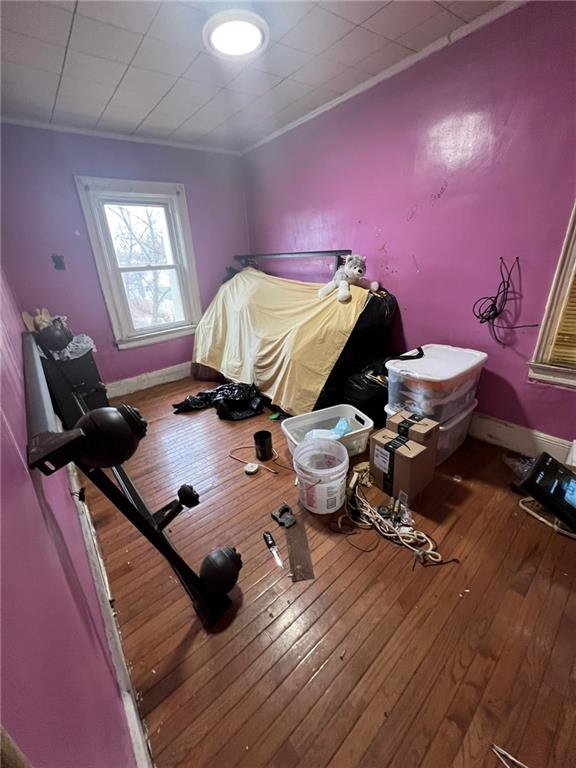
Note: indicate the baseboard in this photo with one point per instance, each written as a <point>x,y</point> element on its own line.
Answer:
<point>136,728</point>
<point>150,379</point>
<point>530,442</point>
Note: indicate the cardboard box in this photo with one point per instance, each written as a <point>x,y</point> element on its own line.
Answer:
<point>399,464</point>
<point>418,428</point>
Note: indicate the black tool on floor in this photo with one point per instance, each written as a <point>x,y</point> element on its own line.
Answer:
<point>103,438</point>
<point>296,541</point>
<point>274,551</point>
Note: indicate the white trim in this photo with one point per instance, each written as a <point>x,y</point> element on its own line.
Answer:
<point>150,379</point>
<point>153,338</point>
<point>552,374</point>
<point>95,193</point>
<point>530,442</point>
<point>116,136</point>
<point>539,368</point>
<point>463,31</point>
<point>136,727</point>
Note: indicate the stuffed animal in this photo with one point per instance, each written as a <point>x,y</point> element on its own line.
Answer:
<point>350,273</point>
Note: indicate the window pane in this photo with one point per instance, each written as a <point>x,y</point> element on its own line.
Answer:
<point>153,297</point>
<point>139,234</point>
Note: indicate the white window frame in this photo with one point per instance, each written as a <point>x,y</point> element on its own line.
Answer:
<point>539,368</point>
<point>94,193</point>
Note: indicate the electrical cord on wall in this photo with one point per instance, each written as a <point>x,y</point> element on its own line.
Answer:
<point>488,309</point>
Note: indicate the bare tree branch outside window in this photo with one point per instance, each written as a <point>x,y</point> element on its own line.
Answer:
<point>141,240</point>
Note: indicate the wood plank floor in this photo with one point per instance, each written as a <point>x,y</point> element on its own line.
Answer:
<point>374,662</point>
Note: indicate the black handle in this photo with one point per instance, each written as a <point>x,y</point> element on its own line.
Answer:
<point>269,539</point>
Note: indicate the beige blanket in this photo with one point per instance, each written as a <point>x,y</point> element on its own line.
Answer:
<point>277,334</point>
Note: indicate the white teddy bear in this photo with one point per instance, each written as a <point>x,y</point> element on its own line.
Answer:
<point>350,273</point>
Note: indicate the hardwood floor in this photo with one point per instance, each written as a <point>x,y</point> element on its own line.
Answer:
<point>374,662</point>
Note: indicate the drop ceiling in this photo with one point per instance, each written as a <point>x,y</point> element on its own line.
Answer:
<point>140,68</point>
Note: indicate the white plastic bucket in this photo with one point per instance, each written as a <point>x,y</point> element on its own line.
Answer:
<point>321,467</point>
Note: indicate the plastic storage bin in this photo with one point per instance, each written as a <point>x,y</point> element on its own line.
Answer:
<point>453,433</point>
<point>440,385</point>
<point>296,428</point>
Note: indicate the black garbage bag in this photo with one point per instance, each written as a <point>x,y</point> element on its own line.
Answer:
<point>368,390</point>
<point>232,401</point>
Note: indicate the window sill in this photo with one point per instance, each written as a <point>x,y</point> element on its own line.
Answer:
<point>552,374</point>
<point>155,337</point>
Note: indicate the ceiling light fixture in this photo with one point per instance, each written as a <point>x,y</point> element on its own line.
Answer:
<point>236,34</point>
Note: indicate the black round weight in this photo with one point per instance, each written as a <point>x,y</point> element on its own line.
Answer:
<point>220,568</point>
<point>112,435</point>
<point>187,496</point>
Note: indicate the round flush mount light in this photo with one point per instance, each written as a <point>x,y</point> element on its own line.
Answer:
<point>236,34</point>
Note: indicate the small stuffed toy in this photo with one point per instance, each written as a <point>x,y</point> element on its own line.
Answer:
<point>351,273</point>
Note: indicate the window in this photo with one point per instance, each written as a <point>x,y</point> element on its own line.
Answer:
<point>141,240</point>
<point>554,358</point>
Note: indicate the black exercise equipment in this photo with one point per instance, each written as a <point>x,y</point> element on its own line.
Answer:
<point>104,438</point>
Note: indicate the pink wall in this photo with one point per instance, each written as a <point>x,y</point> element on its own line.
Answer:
<point>60,699</point>
<point>42,215</point>
<point>433,175</point>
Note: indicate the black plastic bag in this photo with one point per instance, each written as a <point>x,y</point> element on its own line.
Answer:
<point>232,401</point>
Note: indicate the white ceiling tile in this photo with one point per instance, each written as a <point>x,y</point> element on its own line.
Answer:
<point>280,60</point>
<point>186,97</point>
<point>26,109</point>
<point>104,40</point>
<point>282,16</point>
<point>160,121</point>
<point>179,23</point>
<point>292,112</point>
<point>347,80</point>
<point>319,70</point>
<point>355,11</point>
<point>193,129</point>
<point>118,121</point>
<point>17,79</point>
<point>155,84</point>
<point>224,104</point>
<point>377,62</point>
<point>287,92</point>
<point>317,98</point>
<point>153,131</point>
<point>356,45</point>
<point>31,52</point>
<point>139,102</point>
<point>73,88</point>
<point>134,16</point>
<point>156,55</point>
<point>74,119</point>
<point>470,9</point>
<point>399,17</point>
<point>257,110</point>
<point>27,92</point>
<point>37,19</point>
<point>209,69</point>
<point>86,67</point>
<point>253,82</point>
<point>67,5</point>
<point>81,106</point>
<point>316,31</point>
<point>431,30</point>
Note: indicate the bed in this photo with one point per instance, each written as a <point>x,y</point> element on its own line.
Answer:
<point>266,326</point>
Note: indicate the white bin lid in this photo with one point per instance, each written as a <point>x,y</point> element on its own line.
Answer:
<point>440,363</point>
